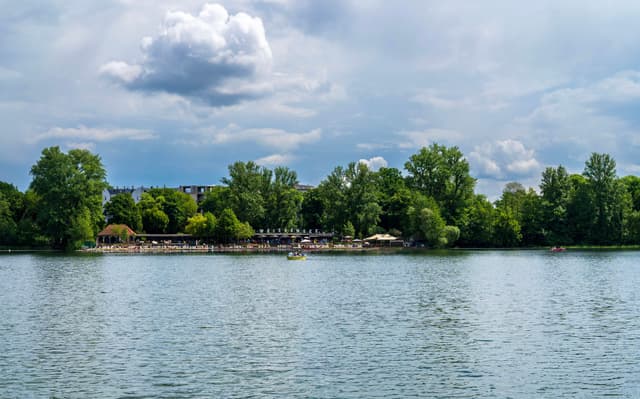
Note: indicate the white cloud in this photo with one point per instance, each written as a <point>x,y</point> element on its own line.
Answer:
<point>433,98</point>
<point>275,160</point>
<point>424,138</point>
<point>268,137</point>
<point>506,159</point>
<point>213,56</point>
<point>94,134</point>
<point>374,163</point>
<point>81,146</point>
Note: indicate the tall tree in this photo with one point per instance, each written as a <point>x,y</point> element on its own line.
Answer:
<point>282,201</point>
<point>443,174</point>
<point>246,183</point>
<point>555,190</point>
<point>122,209</point>
<point>69,187</point>
<point>178,207</point>
<point>154,219</point>
<point>608,198</point>
<point>478,222</point>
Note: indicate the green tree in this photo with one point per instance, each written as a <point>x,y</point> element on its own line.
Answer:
<point>608,199</point>
<point>69,187</point>
<point>216,200</point>
<point>332,194</point>
<point>122,209</point>
<point>427,225</point>
<point>247,183</point>
<point>477,223</point>
<point>229,228</point>
<point>154,219</point>
<point>348,230</point>
<point>451,235</point>
<point>580,216</point>
<point>311,209</point>
<point>8,227</point>
<point>632,185</point>
<point>443,174</point>
<point>393,197</point>
<point>525,206</point>
<point>178,207</point>
<point>202,226</point>
<point>283,202</point>
<point>555,189</point>
<point>361,199</point>
<point>506,229</point>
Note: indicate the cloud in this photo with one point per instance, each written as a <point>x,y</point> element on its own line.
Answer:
<point>275,160</point>
<point>434,99</point>
<point>423,138</point>
<point>268,137</point>
<point>81,146</point>
<point>506,159</point>
<point>94,134</point>
<point>374,163</point>
<point>214,57</point>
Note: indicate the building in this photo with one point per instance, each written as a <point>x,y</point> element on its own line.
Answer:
<point>196,192</point>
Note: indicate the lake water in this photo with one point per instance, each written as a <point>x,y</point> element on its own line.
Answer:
<point>522,324</point>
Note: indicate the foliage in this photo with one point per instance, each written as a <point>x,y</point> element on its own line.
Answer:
<point>121,209</point>
<point>247,184</point>
<point>434,204</point>
<point>178,207</point>
<point>69,188</point>
<point>443,174</point>
<point>154,219</point>
<point>229,228</point>
<point>202,226</point>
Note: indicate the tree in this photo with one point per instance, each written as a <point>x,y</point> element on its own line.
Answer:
<point>451,234</point>
<point>608,199</point>
<point>632,185</point>
<point>555,188</point>
<point>229,228</point>
<point>506,229</point>
<point>427,225</point>
<point>154,219</point>
<point>442,173</point>
<point>332,194</point>
<point>12,208</point>
<point>216,200</point>
<point>282,201</point>
<point>202,226</point>
<point>392,196</point>
<point>525,206</point>
<point>8,227</point>
<point>122,209</point>
<point>477,223</point>
<point>311,209</point>
<point>178,207</point>
<point>580,216</point>
<point>247,184</point>
<point>69,188</point>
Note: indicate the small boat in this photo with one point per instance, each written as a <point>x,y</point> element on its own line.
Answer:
<point>558,249</point>
<point>296,256</point>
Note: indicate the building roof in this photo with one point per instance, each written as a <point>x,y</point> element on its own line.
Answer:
<point>116,230</point>
<point>381,237</point>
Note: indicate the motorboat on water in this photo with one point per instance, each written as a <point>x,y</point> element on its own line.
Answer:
<point>558,249</point>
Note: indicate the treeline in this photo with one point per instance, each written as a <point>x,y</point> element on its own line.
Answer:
<point>433,203</point>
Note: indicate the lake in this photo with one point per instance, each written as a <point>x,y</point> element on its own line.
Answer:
<point>523,324</point>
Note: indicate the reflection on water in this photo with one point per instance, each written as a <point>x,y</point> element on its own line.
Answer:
<point>462,324</point>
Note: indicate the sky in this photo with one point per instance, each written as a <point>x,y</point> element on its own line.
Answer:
<point>170,93</point>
